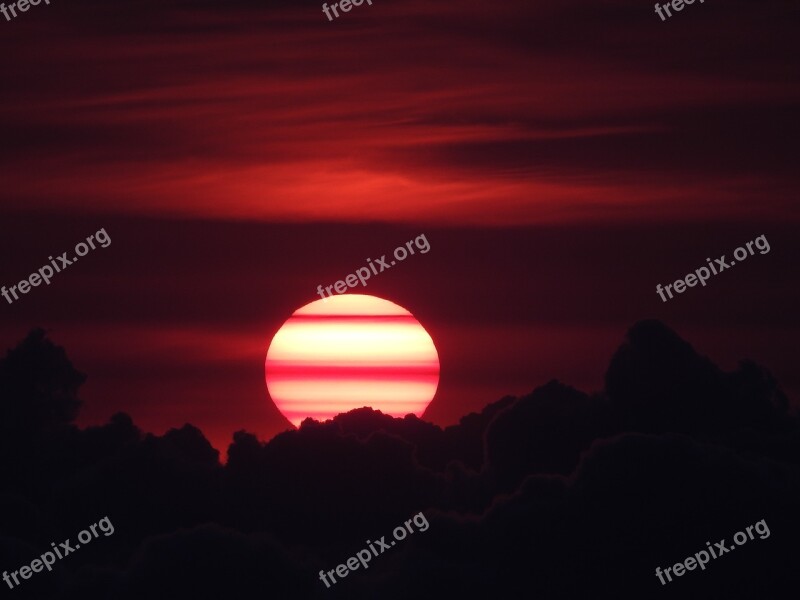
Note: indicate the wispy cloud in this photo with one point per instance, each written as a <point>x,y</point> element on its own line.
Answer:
<point>412,111</point>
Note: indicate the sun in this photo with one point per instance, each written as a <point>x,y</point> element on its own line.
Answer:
<point>350,351</point>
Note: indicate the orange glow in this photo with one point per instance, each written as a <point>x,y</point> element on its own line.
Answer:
<point>350,351</point>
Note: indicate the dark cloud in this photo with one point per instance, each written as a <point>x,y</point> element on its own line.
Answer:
<point>659,383</point>
<point>544,432</point>
<point>569,494</point>
<point>38,388</point>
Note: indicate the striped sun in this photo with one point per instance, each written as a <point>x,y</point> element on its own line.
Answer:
<point>350,351</point>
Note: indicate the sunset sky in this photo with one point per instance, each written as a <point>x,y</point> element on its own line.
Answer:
<point>562,158</point>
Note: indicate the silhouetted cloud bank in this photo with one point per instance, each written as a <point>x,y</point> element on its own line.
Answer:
<point>558,494</point>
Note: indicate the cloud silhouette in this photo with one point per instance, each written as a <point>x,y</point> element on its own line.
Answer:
<point>555,494</point>
<point>38,387</point>
<point>659,383</point>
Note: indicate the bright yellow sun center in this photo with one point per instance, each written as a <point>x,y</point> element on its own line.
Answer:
<point>350,351</point>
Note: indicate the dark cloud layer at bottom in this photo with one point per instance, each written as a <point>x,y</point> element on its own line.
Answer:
<point>557,494</point>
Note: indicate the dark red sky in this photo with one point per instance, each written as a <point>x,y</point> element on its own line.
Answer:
<point>562,159</point>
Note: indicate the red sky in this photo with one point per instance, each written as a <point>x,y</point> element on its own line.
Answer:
<point>562,158</point>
